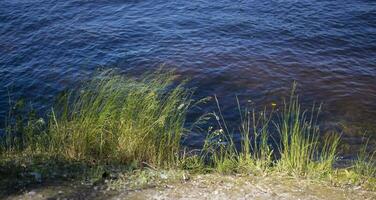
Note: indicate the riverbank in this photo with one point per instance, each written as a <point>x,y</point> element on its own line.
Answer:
<point>214,186</point>
<point>180,185</point>
<point>121,134</point>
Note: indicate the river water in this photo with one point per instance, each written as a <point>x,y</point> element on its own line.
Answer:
<point>252,48</point>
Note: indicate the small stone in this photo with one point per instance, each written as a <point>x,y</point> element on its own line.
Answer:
<point>164,176</point>
<point>357,188</point>
<point>32,193</point>
<point>185,177</point>
<point>60,192</point>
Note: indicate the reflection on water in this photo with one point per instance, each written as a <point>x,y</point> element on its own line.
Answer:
<point>253,49</point>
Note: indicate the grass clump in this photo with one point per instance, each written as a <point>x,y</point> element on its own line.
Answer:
<point>24,130</point>
<point>256,150</point>
<point>300,151</point>
<point>254,155</point>
<point>361,172</point>
<point>116,118</point>
<point>297,149</point>
<point>123,119</point>
<point>365,164</point>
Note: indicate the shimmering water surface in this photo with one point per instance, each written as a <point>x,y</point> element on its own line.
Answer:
<point>254,49</point>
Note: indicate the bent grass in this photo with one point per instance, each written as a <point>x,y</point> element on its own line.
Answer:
<point>116,118</point>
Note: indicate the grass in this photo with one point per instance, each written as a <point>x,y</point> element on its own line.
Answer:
<point>361,172</point>
<point>365,164</point>
<point>254,154</point>
<point>296,144</point>
<point>300,149</point>
<point>112,118</point>
<point>123,119</point>
<point>115,120</point>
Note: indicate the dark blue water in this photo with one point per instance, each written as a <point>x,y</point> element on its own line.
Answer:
<point>254,49</point>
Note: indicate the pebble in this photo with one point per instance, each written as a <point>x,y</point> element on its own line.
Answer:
<point>32,193</point>
<point>163,176</point>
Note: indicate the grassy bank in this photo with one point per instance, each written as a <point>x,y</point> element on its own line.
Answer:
<point>117,123</point>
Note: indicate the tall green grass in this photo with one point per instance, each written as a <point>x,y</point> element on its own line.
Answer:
<point>300,149</point>
<point>297,144</point>
<point>365,164</point>
<point>23,129</point>
<point>255,132</point>
<point>254,154</point>
<point>114,117</point>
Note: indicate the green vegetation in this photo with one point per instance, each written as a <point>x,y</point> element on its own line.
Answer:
<point>255,153</point>
<point>301,154</point>
<point>114,121</point>
<point>365,164</point>
<point>300,150</point>
<point>111,118</point>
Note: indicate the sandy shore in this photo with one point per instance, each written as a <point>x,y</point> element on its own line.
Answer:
<point>209,186</point>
